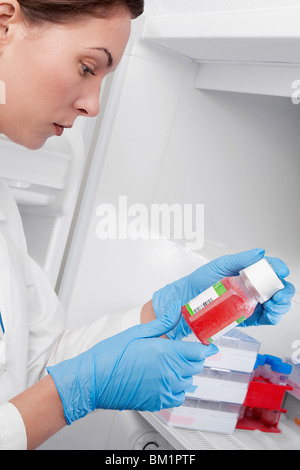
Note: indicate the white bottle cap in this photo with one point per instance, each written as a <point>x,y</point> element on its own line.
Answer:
<point>263,278</point>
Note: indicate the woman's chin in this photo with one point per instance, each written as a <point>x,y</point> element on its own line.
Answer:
<point>27,141</point>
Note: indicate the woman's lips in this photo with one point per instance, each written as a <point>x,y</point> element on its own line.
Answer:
<point>58,130</point>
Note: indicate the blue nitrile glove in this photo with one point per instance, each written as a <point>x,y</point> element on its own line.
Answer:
<point>190,286</point>
<point>135,370</point>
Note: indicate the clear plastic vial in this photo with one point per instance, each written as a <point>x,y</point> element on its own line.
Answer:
<point>269,361</point>
<point>230,301</point>
<point>280,372</point>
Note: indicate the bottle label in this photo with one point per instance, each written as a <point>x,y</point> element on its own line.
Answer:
<point>205,298</point>
<point>227,328</point>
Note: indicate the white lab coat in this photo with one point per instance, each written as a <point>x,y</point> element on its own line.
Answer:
<point>34,322</point>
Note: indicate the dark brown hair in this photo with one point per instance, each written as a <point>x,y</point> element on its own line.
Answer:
<point>63,11</point>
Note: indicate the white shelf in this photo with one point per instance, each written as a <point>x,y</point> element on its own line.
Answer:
<point>185,439</point>
<point>260,35</point>
<point>42,167</point>
<point>246,51</point>
<point>44,180</point>
<point>260,79</point>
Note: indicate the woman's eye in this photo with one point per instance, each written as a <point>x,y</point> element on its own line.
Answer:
<point>86,70</point>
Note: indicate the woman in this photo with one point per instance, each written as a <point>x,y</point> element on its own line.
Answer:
<point>53,58</point>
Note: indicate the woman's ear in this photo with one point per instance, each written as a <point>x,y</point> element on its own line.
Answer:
<point>9,12</point>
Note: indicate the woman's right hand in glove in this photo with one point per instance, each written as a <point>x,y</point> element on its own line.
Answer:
<point>134,370</point>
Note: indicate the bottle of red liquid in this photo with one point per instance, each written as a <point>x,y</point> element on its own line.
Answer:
<point>229,302</point>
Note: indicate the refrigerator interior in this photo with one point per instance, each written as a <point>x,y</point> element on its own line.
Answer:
<point>218,129</point>
<point>191,138</point>
<point>234,152</point>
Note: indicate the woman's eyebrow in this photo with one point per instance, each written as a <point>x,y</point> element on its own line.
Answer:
<point>110,61</point>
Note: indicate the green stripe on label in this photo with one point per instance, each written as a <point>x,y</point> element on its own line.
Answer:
<point>240,320</point>
<point>189,309</point>
<point>219,288</point>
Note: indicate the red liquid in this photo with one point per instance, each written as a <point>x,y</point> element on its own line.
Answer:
<point>229,307</point>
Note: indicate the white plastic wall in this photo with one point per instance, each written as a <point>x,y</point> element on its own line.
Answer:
<point>169,7</point>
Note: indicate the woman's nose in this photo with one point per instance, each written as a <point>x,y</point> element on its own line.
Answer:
<point>88,104</point>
